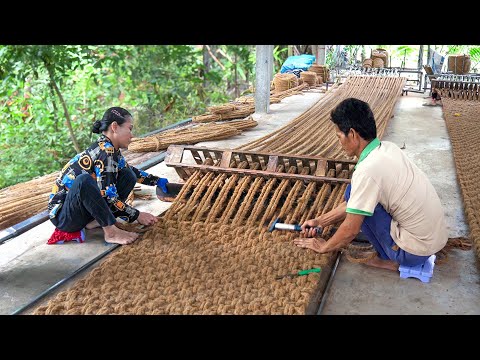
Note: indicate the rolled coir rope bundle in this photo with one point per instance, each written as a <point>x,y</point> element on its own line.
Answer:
<point>367,63</point>
<point>284,82</point>
<point>245,99</point>
<point>246,123</point>
<point>318,69</point>
<point>185,135</point>
<point>221,109</point>
<point>292,91</point>
<point>321,70</point>
<point>241,111</point>
<point>382,54</point>
<point>207,118</point>
<point>378,63</point>
<point>309,77</point>
<point>459,64</point>
<point>23,200</point>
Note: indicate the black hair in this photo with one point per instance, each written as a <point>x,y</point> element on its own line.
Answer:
<point>355,114</point>
<point>117,114</point>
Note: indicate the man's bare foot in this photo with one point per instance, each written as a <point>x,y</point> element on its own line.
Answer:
<point>92,225</point>
<point>115,235</point>
<point>384,264</point>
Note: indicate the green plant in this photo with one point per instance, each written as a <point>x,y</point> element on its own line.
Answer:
<point>160,85</point>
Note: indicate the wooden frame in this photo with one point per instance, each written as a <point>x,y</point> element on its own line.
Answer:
<point>269,163</point>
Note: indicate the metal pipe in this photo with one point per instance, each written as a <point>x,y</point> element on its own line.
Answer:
<point>152,162</point>
<point>53,287</point>
<point>21,227</point>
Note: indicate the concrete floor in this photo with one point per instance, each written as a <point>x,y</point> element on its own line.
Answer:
<point>28,266</point>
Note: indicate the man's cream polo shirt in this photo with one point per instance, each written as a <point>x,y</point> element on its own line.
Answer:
<point>384,175</point>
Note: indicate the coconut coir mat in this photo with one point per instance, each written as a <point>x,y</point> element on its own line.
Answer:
<point>461,117</point>
<point>185,268</point>
<point>199,260</point>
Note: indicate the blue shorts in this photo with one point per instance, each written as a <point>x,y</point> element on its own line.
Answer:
<point>377,229</point>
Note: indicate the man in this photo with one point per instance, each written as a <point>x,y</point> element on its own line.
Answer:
<point>390,199</point>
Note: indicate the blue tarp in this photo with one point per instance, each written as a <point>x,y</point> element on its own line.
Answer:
<point>297,62</point>
<point>436,62</point>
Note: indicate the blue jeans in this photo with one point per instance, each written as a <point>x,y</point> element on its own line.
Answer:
<point>377,230</point>
<point>84,202</point>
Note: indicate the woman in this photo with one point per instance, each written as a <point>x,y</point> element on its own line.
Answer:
<point>92,187</point>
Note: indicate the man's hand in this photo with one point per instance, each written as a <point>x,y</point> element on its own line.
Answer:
<point>146,219</point>
<point>308,228</point>
<point>317,244</point>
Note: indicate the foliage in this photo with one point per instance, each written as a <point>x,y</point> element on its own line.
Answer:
<point>160,85</point>
<point>280,54</point>
<point>30,108</point>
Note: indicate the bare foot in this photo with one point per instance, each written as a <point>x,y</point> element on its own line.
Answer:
<point>384,264</point>
<point>115,235</point>
<point>92,225</point>
<point>167,198</point>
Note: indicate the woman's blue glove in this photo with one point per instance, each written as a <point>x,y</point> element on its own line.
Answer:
<point>162,182</point>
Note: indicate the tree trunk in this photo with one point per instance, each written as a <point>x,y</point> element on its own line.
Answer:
<point>353,60</point>
<point>65,110</point>
<point>290,50</point>
<point>54,104</point>
<point>420,57</point>
<point>206,64</point>
<point>315,53</point>
<point>236,77</point>
<point>420,64</point>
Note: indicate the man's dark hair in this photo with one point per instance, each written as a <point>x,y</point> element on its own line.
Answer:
<point>117,114</point>
<point>355,114</point>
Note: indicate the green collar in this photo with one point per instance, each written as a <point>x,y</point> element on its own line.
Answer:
<point>368,149</point>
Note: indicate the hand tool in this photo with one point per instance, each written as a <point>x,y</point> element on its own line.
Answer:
<point>278,225</point>
<point>173,190</point>
<point>300,273</point>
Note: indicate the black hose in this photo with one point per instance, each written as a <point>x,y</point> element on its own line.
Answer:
<point>53,287</point>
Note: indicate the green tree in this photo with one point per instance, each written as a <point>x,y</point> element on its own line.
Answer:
<point>160,85</point>
<point>24,62</point>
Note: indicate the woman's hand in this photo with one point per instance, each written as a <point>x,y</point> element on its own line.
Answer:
<point>146,219</point>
